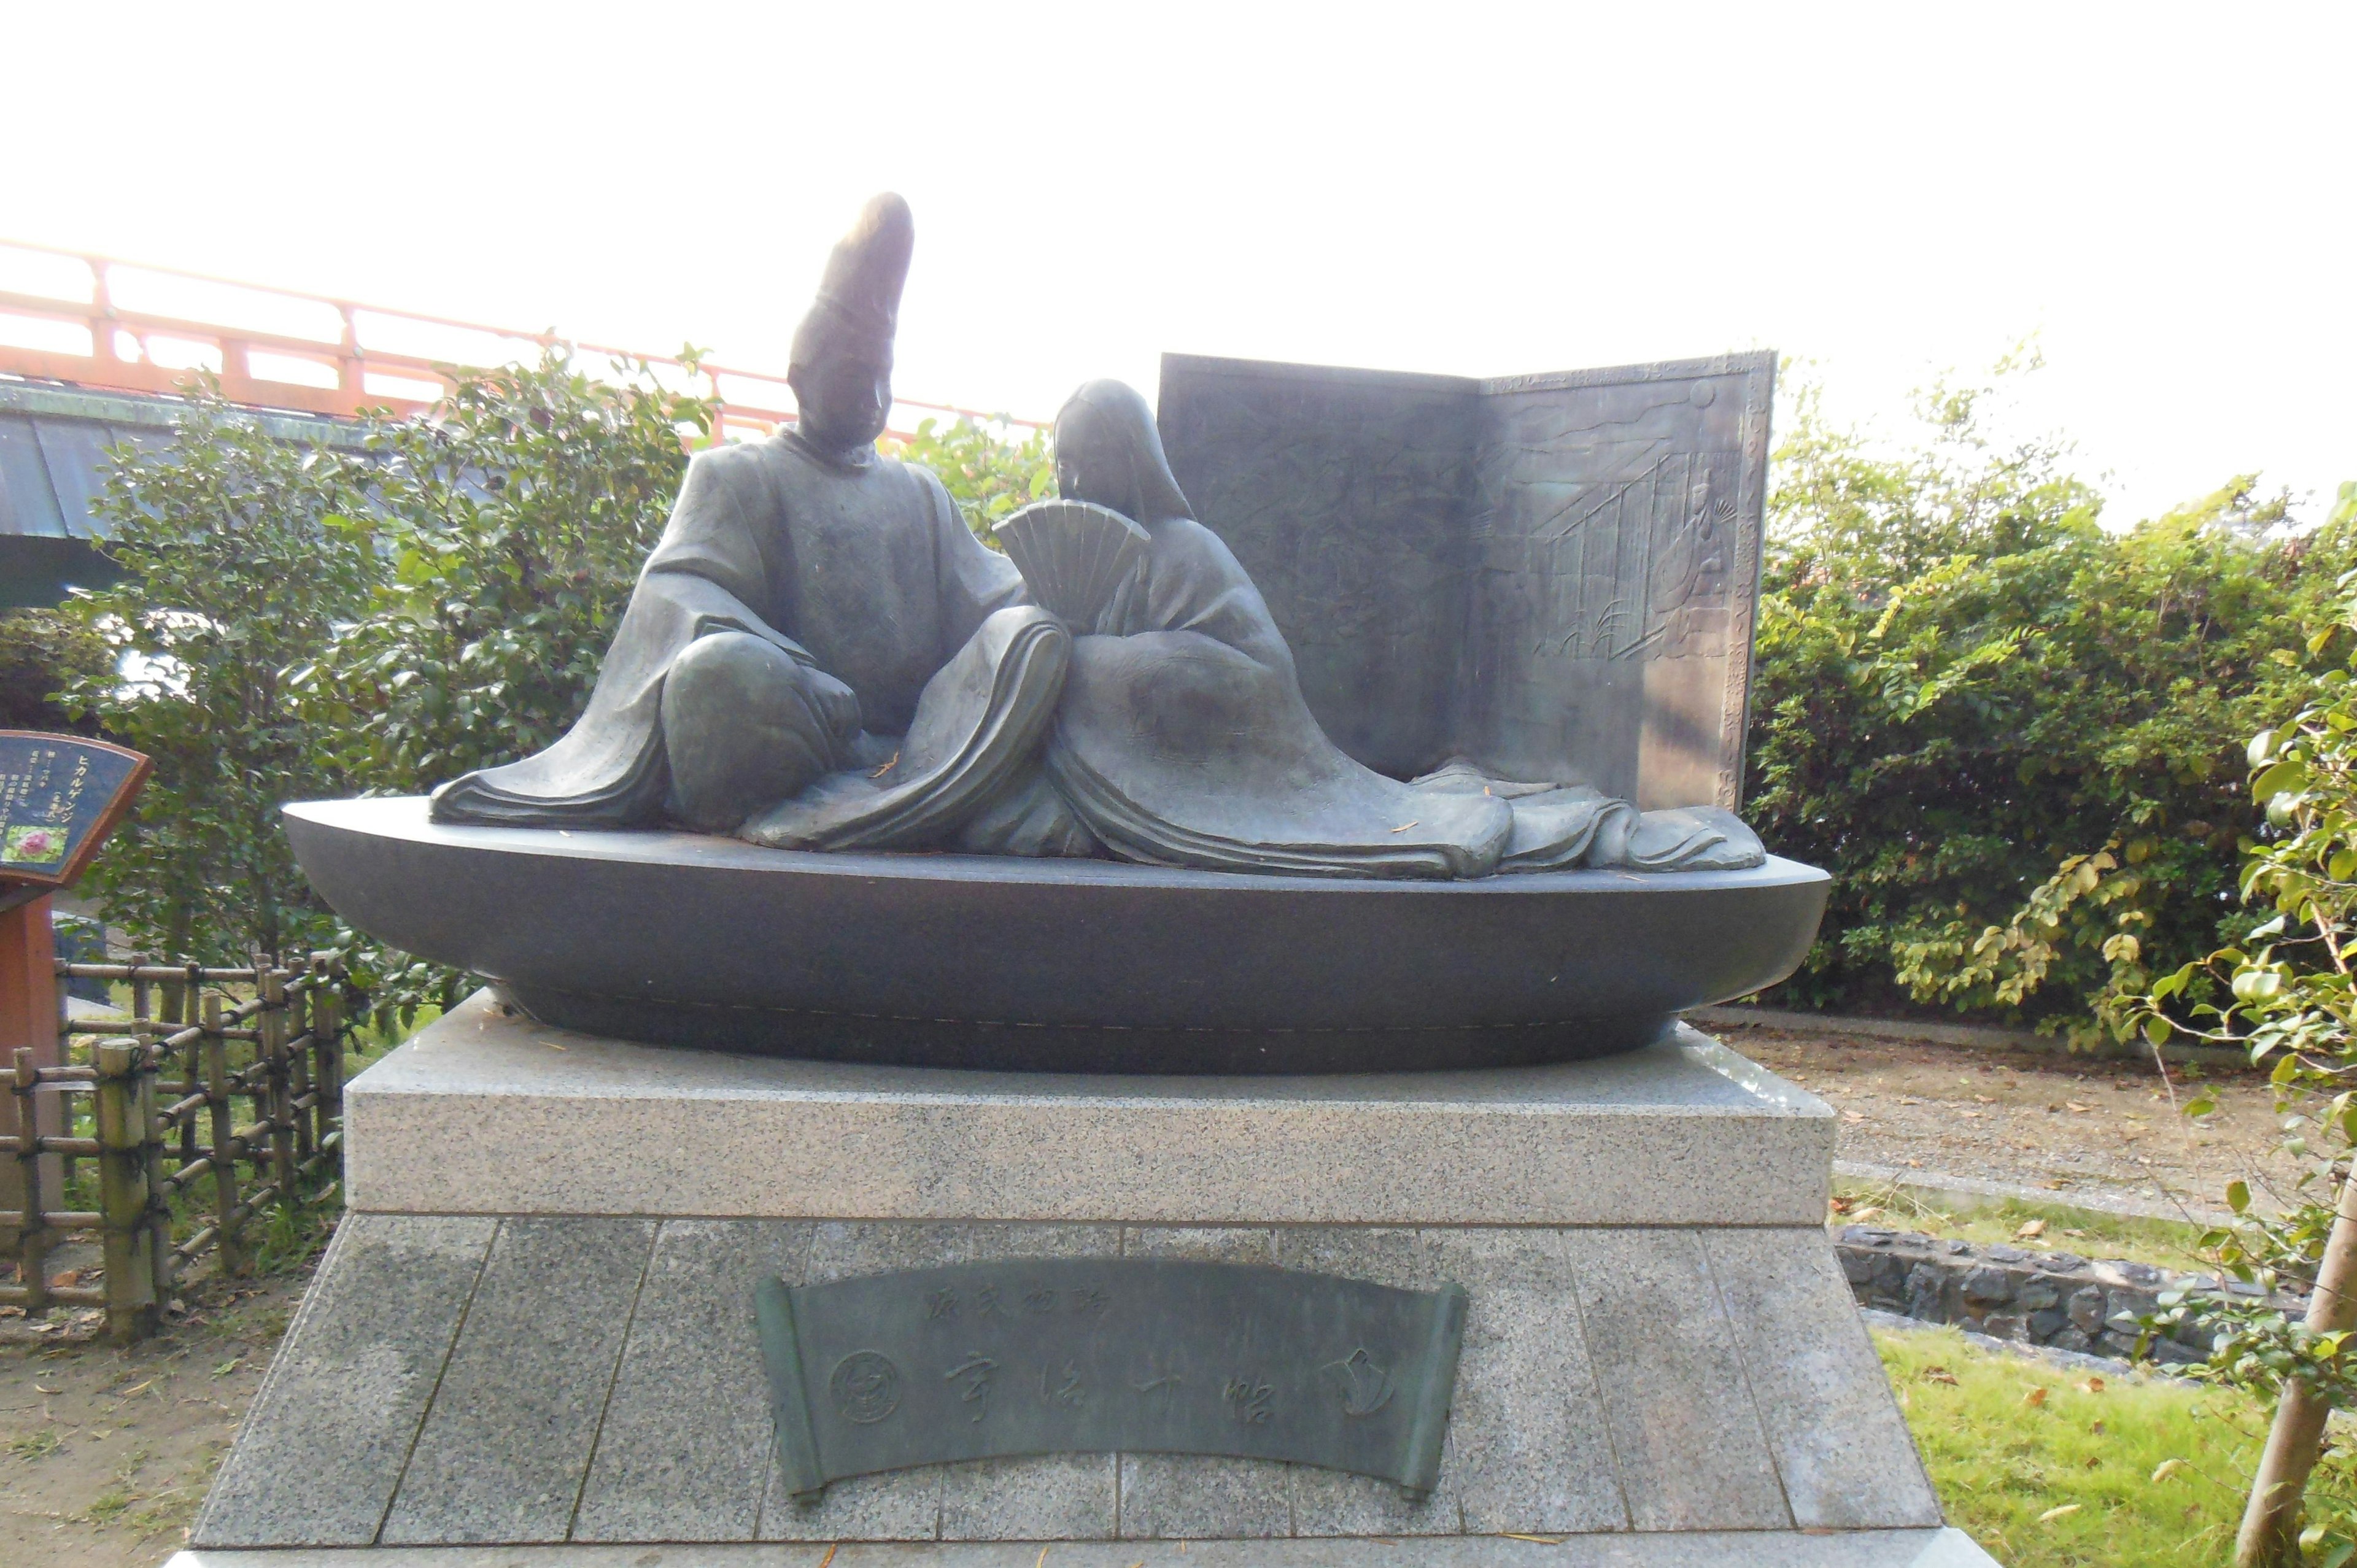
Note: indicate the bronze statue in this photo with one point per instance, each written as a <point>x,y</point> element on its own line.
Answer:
<point>820,655</point>
<point>804,593</point>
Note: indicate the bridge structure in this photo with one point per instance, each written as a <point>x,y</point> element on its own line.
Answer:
<point>96,351</point>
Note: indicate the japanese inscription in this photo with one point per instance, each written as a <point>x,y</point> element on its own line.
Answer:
<point>1554,576</point>
<point>59,795</point>
<point>1031,1356</point>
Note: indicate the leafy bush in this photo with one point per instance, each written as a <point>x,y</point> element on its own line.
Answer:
<point>2283,992</point>
<point>41,654</point>
<point>238,566</point>
<point>2004,728</point>
<point>510,526</point>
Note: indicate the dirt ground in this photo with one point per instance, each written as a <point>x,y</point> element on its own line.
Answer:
<point>105,1454</point>
<point>2062,1124</point>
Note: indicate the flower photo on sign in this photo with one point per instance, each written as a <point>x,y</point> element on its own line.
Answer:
<point>33,846</point>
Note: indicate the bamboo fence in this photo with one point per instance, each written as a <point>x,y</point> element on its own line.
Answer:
<point>231,1114</point>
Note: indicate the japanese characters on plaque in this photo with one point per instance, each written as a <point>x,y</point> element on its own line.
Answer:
<point>1029,1356</point>
<point>59,795</point>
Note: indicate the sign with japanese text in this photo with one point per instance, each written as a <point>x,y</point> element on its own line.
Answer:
<point>1075,1355</point>
<point>61,795</point>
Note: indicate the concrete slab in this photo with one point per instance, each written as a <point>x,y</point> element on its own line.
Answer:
<point>685,1449</point>
<point>1690,1450</point>
<point>488,1113</point>
<point>1741,1549</point>
<point>321,1450</point>
<point>506,1444</point>
<point>1528,1421</point>
<point>1840,1445</point>
<point>574,1375</point>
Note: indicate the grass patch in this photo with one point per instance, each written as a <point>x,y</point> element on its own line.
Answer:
<point>2170,1243</point>
<point>370,1042</point>
<point>36,1444</point>
<point>2063,1479</point>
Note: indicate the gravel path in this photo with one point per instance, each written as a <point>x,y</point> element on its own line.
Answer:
<point>2072,1126</point>
<point>105,1454</point>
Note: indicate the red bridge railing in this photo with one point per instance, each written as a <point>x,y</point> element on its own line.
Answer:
<point>128,326</point>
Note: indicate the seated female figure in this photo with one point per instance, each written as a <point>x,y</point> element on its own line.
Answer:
<point>1182,737</point>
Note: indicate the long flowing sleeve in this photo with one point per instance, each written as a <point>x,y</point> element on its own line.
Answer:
<point>708,574</point>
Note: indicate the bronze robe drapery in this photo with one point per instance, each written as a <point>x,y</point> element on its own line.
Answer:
<point>1183,739</point>
<point>863,569</point>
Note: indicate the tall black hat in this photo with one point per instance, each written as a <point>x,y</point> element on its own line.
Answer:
<point>858,305</point>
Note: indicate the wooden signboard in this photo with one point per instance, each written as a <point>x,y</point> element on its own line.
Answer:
<point>61,795</point>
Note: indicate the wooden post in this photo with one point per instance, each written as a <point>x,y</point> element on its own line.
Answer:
<point>299,1019</point>
<point>28,1022</point>
<point>33,1231</point>
<point>180,1007</point>
<point>64,1057</point>
<point>164,1265</point>
<point>217,1100</point>
<point>125,1117</point>
<point>271,1024</point>
<point>328,1028</point>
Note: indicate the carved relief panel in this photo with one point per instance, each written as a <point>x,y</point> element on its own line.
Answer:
<point>1554,575</point>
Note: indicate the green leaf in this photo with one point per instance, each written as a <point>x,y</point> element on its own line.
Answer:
<point>2156,1029</point>
<point>2252,987</point>
<point>2238,1196</point>
<point>2283,778</point>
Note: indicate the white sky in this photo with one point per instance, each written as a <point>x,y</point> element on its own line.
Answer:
<point>2166,195</point>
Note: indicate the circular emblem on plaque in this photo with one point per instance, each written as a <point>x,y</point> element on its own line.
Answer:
<point>866,1386</point>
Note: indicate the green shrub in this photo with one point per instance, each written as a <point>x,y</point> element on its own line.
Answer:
<point>42,653</point>
<point>2004,728</point>
<point>238,566</point>
<point>510,527</point>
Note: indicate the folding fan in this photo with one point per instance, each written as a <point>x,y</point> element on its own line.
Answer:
<point>1073,554</point>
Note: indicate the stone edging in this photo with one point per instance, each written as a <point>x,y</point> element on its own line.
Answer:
<point>2054,1299</point>
<point>1951,1191</point>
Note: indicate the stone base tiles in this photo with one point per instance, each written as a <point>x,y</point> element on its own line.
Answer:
<point>541,1380</point>
<point>482,1112</point>
<point>324,1444</point>
<point>1747,1549</point>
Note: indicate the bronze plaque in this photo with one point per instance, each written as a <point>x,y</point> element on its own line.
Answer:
<point>1138,1354</point>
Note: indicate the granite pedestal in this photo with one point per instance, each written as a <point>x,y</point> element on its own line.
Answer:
<point>534,1333</point>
